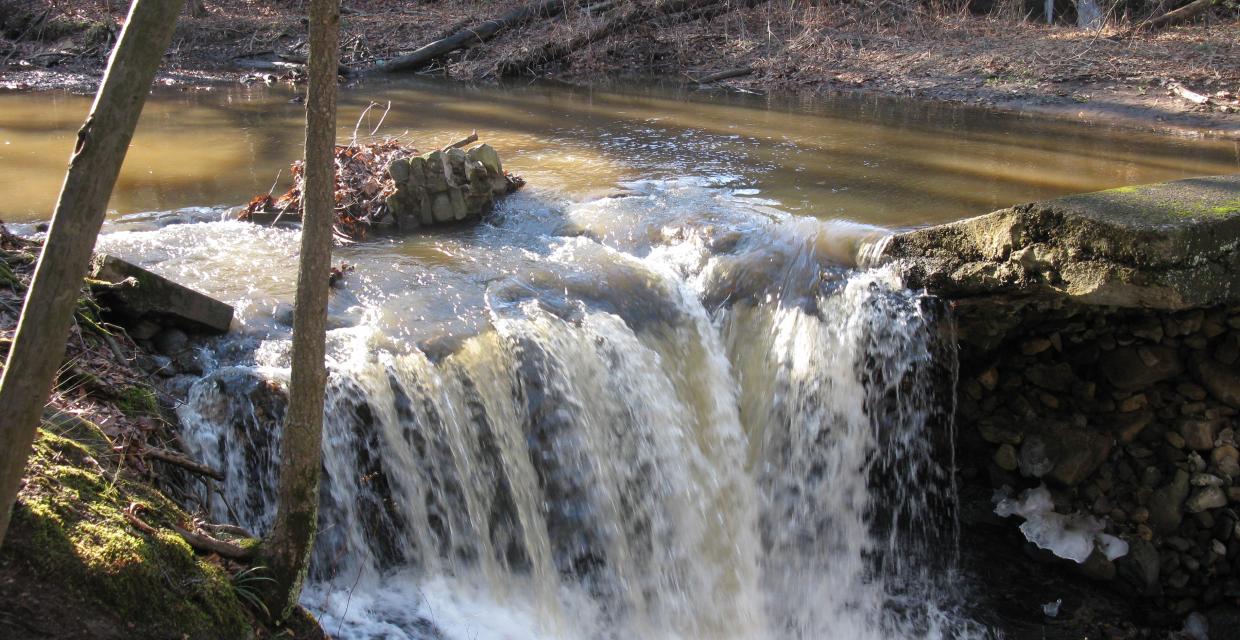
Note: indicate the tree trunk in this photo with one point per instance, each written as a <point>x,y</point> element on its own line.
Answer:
<point>287,551</point>
<point>480,33</point>
<point>39,345</point>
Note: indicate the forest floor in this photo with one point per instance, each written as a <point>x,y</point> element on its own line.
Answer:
<point>788,48</point>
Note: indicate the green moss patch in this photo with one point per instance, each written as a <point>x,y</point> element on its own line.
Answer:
<point>69,529</point>
<point>137,401</point>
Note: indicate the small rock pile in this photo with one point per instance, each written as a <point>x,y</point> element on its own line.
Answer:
<point>387,184</point>
<point>1128,415</point>
<point>447,186</point>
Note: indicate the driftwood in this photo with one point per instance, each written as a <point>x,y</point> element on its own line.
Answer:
<point>465,37</point>
<point>183,461</point>
<point>724,75</point>
<point>675,10</point>
<point>1188,94</point>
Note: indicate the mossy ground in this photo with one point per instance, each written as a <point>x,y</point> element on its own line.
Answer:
<point>69,529</point>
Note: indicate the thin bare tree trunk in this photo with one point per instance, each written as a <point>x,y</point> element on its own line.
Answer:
<point>287,551</point>
<point>43,329</point>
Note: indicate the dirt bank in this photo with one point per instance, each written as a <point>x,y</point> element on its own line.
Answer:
<point>946,56</point>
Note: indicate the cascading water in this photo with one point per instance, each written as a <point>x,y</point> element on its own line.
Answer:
<point>668,415</point>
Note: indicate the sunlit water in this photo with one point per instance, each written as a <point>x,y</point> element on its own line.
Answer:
<point>871,160</point>
<point>682,412</point>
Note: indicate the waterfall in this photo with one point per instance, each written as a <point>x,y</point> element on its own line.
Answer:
<point>714,433</point>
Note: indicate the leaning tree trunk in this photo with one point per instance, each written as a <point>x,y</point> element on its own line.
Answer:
<point>43,329</point>
<point>287,550</point>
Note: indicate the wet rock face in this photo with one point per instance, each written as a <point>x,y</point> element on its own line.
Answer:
<point>1129,416</point>
<point>446,187</point>
<point>1163,246</point>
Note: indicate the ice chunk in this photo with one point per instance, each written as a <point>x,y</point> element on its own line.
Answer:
<point>1073,536</point>
<point>1196,627</point>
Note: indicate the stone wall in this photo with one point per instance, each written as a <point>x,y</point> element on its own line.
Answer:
<point>1126,415</point>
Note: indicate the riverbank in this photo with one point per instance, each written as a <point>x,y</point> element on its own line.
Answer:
<point>1147,80</point>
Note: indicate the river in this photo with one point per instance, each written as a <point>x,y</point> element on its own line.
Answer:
<point>652,396</point>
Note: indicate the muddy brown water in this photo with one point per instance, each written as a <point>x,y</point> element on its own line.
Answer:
<point>878,161</point>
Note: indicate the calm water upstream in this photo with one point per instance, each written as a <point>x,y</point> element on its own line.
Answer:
<point>679,413</point>
<point>876,161</point>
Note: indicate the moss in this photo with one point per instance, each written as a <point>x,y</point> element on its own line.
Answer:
<point>69,526</point>
<point>137,401</point>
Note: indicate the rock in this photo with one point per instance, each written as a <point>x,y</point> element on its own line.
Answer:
<point>1005,457</point>
<point>1206,480</point>
<point>1221,381</point>
<point>1057,378</point>
<point>144,329</point>
<point>1198,434</point>
<point>1139,568</point>
<point>989,379</point>
<point>459,210</point>
<point>441,208</point>
<point>1097,567</point>
<point>1035,346</point>
<point>1175,440</point>
<point>1133,368</point>
<point>996,434</point>
<point>486,155</point>
<point>1133,403</point>
<point>158,299</point>
<point>170,342</point>
<point>1194,392</point>
<point>1127,426</point>
<point>1226,459</point>
<point>1034,461</point>
<point>1211,497</point>
<point>1166,504</point>
<point>399,170</point>
<point>155,363</point>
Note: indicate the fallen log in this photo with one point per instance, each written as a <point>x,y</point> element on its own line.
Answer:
<point>676,10</point>
<point>1163,18</point>
<point>481,33</point>
<point>724,75</point>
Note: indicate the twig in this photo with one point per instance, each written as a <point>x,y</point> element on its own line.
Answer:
<point>469,139</point>
<point>382,118</point>
<point>183,461</point>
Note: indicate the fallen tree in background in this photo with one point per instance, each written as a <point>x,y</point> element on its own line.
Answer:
<point>467,36</point>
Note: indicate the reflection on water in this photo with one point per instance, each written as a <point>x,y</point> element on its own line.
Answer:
<point>872,160</point>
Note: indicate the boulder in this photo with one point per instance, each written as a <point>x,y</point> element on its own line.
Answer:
<point>154,298</point>
<point>1164,246</point>
<point>1166,504</point>
<point>1220,380</point>
<point>1131,368</point>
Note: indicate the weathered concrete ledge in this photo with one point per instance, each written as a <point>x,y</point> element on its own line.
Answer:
<point>141,295</point>
<point>1161,246</point>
